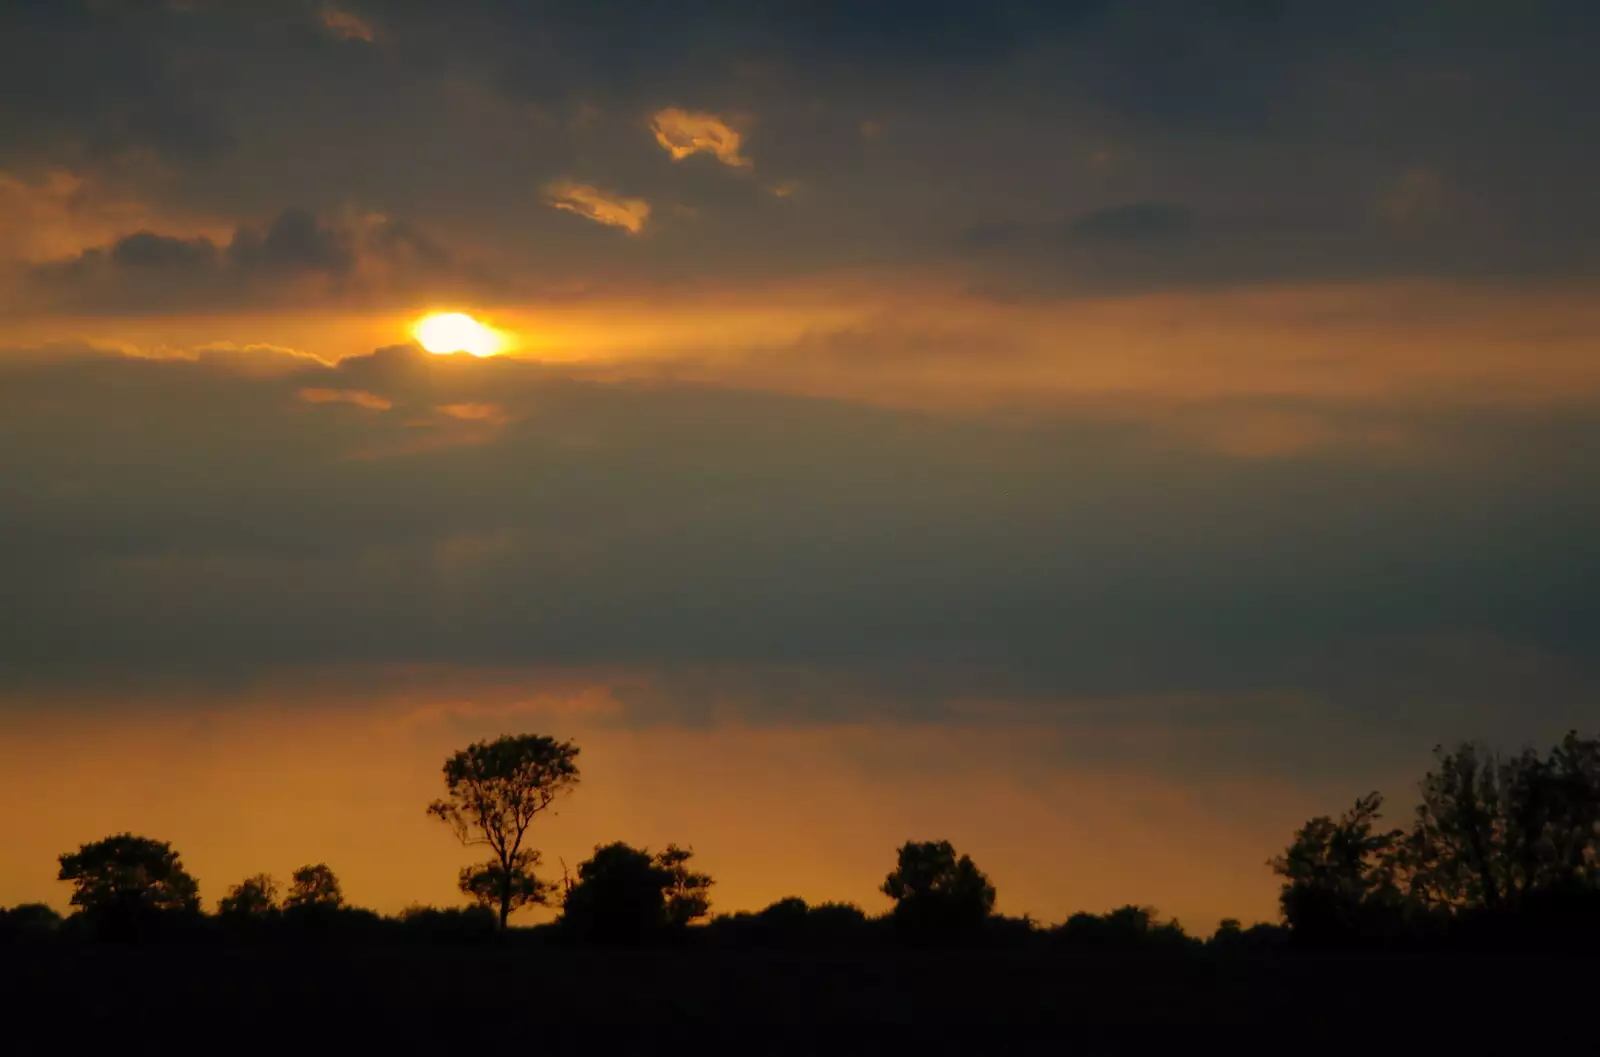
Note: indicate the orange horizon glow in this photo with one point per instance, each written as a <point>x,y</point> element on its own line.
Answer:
<point>818,810</point>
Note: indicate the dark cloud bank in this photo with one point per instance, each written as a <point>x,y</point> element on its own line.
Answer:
<point>173,521</point>
<point>1246,140</point>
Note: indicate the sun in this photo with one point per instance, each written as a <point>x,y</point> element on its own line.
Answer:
<point>448,332</point>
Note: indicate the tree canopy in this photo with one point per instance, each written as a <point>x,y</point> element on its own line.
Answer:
<point>315,885</point>
<point>937,891</point>
<point>626,895</point>
<point>254,897</point>
<point>493,792</point>
<point>128,876</point>
<point>1493,839</point>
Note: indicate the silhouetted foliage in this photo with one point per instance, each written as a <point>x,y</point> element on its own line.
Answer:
<point>123,885</point>
<point>28,922</point>
<point>688,891</point>
<point>1233,938</point>
<point>1501,850</point>
<point>494,791</point>
<point>1339,876</point>
<point>254,897</point>
<point>626,895</point>
<point>791,924</point>
<point>449,924</point>
<point>936,893</point>
<point>1126,928</point>
<point>314,887</point>
<point>494,887</point>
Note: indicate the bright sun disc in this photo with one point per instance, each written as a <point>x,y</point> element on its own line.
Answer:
<point>450,332</point>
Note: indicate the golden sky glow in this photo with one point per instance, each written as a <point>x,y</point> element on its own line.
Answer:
<point>770,811</point>
<point>1217,427</point>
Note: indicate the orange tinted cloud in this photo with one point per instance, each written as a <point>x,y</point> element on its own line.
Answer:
<point>470,412</point>
<point>685,132</point>
<point>591,203</point>
<point>927,343</point>
<point>58,213</point>
<point>358,397</point>
<point>346,25</point>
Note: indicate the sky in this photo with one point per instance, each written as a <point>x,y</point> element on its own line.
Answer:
<point>1099,433</point>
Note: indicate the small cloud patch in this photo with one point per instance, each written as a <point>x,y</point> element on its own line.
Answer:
<point>603,207</point>
<point>346,25</point>
<point>490,413</point>
<point>685,132</point>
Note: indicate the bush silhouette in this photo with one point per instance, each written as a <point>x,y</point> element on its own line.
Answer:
<point>1126,928</point>
<point>28,922</point>
<point>938,894</point>
<point>449,924</point>
<point>130,887</point>
<point>254,897</point>
<point>314,886</point>
<point>625,895</point>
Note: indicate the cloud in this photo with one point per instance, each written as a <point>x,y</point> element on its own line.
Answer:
<point>603,207</point>
<point>774,557</point>
<point>685,132</point>
<point>1138,221</point>
<point>474,412</point>
<point>57,212</point>
<point>1413,195</point>
<point>297,255</point>
<point>356,397</point>
<point>346,25</point>
<point>1133,223</point>
<point>82,82</point>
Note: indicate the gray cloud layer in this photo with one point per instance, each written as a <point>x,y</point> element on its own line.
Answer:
<point>174,520</point>
<point>296,255</point>
<point>1301,138</point>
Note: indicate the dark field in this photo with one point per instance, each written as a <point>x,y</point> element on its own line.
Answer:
<point>438,999</point>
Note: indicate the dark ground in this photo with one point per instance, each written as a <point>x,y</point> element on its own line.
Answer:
<point>68,999</point>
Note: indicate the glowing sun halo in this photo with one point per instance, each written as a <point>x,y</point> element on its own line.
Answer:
<point>449,332</point>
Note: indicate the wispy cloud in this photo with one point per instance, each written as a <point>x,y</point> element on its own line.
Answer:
<point>346,25</point>
<point>1413,195</point>
<point>685,132</point>
<point>493,414</point>
<point>357,397</point>
<point>603,207</point>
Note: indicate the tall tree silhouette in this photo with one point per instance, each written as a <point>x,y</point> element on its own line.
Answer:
<point>494,791</point>
<point>1490,832</point>
<point>1338,872</point>
<point>1507,842</point>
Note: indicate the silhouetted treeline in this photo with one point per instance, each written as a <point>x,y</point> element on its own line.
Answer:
<point>1502,852</point>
